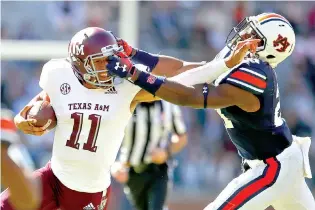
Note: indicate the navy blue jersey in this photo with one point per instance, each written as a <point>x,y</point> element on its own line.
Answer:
<point>261,134</point>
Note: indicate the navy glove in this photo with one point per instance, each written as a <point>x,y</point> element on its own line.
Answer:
<point>120,65</point>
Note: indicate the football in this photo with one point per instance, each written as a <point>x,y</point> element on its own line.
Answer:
<point>43,112</point>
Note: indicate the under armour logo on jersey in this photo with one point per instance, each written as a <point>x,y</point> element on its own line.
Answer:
<point>65,88</point>
<point>124,67</point>
<point>281,41</point>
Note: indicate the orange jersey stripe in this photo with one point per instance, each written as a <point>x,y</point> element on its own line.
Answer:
<point>242,76</point>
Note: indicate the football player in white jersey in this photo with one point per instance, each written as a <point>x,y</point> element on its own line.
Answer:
<point>89,105</point>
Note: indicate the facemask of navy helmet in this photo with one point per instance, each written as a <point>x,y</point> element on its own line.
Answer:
<point>275,32</point>
<point>246,29</point>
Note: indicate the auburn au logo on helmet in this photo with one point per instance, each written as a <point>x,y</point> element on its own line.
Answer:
<point>282,42</point>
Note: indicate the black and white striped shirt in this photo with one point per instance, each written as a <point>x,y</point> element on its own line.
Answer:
<point>150,127</point>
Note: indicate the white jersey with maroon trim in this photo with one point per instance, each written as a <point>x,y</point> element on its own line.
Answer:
<point>90,126</point>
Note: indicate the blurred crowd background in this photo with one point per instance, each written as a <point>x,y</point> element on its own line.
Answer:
<point>194,31</point>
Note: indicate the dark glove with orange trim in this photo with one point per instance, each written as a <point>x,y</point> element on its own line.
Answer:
<point>139,56</point>
<point>129,51</point>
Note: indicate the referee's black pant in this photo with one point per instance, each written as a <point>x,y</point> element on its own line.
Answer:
<point>147,190</point>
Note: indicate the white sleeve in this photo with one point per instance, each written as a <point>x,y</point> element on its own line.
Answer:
<point>43,80</point>
<point>223,53</point>
<point>142,67</point>
<point>47,78</point>
<point>202,74</point>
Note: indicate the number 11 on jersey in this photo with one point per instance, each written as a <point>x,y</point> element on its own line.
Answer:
<point>76,130</point>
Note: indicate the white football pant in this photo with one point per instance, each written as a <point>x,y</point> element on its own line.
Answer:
<point>278,181</point>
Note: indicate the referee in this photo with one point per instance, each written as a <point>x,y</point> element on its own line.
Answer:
<point>155,133</point>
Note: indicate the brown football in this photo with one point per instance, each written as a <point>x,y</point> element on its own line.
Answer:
<point>42,111</point>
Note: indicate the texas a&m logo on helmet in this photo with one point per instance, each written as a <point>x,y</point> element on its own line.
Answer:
<point>76,49</point>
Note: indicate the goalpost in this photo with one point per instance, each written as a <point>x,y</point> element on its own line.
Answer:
<point>45,50</point>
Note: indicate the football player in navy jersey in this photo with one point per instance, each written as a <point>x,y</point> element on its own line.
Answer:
<point>247,98</point>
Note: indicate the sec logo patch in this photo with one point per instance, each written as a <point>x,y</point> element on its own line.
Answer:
<point>65,88</point>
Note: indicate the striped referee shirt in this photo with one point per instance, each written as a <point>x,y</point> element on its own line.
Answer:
<point>150,127</point>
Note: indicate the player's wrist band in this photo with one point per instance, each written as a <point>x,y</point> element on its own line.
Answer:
<point>132,71</point>
<point>145,58</point>
<point>205,92</point>
<point>133,52</point>
<point>149,82</point>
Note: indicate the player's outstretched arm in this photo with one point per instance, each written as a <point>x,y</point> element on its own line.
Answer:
<point>206,96</point>
<point>159,64</point>
<point>197,96</point>
<point>185,95</point>
<point>24,192</point>
<point>205,73</point>
<point>169,66</point>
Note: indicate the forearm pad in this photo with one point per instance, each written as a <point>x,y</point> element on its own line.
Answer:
<point>146,59</point>
<point>202,74</point>
<point>149,82</point>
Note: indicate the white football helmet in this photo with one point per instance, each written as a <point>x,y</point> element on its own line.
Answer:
<point>276,33</point>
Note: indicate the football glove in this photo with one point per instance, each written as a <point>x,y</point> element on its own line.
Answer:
<point>122,43</point>
<point>120,65</point>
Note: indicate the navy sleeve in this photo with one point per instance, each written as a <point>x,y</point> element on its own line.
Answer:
<point>247,77</point>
